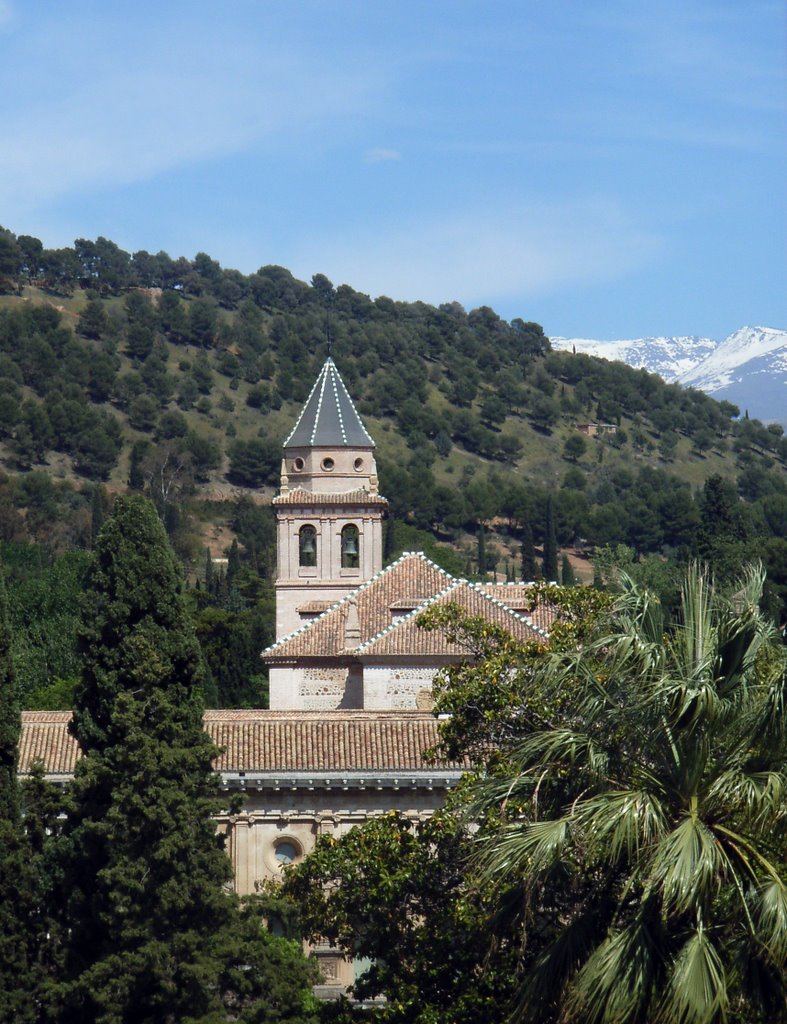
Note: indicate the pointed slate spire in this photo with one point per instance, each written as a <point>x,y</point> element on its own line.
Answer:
<point>329,419</point>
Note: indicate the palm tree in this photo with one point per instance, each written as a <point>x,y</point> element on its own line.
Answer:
<point>645,827</point>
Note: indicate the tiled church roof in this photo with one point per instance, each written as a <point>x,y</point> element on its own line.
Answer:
<point>269,741</point>
<point>410,584</point>
<point>406,635</point>
<point>412,576</point>
<point>329,419</point>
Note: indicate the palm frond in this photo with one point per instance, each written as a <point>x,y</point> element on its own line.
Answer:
<point>567,746</point>
<point>696,992</point>
<point>687,865</point>
<point>618,824</point>
<point>757,796</point>
<point>694,638</point>
<point>617,982</point>
<point>536,847</point>
<point>553,969</point>
<point>771,915</point>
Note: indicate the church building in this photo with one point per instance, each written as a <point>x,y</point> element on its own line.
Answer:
<point>350,670</point>
<point>346,630</point>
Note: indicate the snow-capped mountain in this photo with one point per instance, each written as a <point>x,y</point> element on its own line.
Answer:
<point>749,368</point>
<point>667,357</point>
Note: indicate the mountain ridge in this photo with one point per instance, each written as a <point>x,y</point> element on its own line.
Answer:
<point>747,368</point>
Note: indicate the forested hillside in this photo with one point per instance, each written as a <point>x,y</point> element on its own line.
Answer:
<point>180,378</point>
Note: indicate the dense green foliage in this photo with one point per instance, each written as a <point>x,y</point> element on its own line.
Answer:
<point>394,896</point>
<point>44,593</point>
<point>151,931</point>
<point>15,877</point>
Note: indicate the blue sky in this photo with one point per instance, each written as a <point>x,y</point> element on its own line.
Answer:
<point>609,169</point>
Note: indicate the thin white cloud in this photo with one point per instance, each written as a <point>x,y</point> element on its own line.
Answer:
<point>143,113</point>
<point>487,255</point>
<point>6,13</point>
<point>376,156</point>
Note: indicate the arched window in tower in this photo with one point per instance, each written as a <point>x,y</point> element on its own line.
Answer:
<point>350,547</point>
<point>307,545</point>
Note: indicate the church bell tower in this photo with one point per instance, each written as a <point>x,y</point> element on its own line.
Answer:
<point>328,510</point>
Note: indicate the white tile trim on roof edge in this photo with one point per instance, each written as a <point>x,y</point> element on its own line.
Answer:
<point>352,404</point>
<point>399,623</point>
<point>337,604</point>
<point>322,378</point>
<point>329,367</point>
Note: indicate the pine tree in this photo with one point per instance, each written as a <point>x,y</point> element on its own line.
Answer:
<point>550,543</point>
<point>529,566</point>
<point>153,927</point>
<point>16,979</point>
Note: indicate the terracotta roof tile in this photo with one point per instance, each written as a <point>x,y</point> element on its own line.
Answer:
<point>314,607</point>
<point>411,576</point>
<point>269,741</point>
<point>406,636</point>
<point>45,737</point>
<point>298,496</point>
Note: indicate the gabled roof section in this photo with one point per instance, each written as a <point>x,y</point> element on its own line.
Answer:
<point>412,577</point>
<point>329,419</point>
<point>405,636</point>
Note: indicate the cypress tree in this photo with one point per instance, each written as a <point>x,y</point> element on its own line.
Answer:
<point>389,540</point>
<point>16,980</point>
<point>529,566</point>
<point>98,510</point>
<point>550,543</point>
<point>235,601</point>
<point>10,718</point>
<point>481,553</point>
<point>566,572</point>
<point>233,564</point>
<point>153,929</point>
<point>136,477</point>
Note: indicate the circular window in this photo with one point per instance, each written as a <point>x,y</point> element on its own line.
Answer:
<point>358,465</point>
<point>327,464</point>
<point>286,852</point>
<point>298,465</point>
